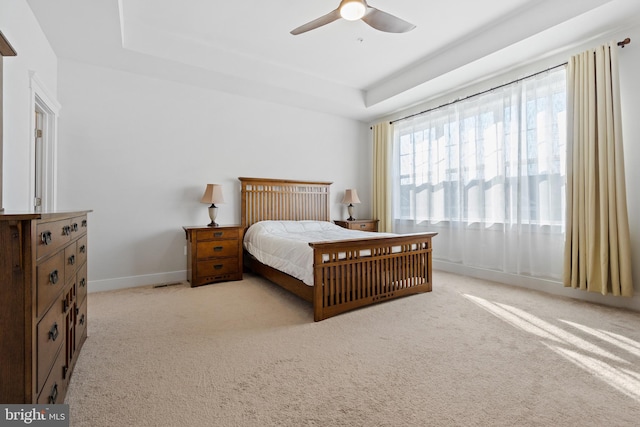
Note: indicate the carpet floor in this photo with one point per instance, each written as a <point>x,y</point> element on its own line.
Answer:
<point>247,353</point>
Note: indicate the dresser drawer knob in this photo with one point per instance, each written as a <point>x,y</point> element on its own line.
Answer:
<point>83,282</point>
<point>53,332</point>
<point>81,321</point>
<point>53,277</point>
<point>46,237</point>
<point>66,230</point>
<point>84,223</point>
<point>74,226</point>
<point>363,225</point>
<point>54,394</point>
<point>72,259</point>
<point>83,249</point>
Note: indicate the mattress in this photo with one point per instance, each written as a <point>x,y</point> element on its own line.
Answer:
<point>284,245</point>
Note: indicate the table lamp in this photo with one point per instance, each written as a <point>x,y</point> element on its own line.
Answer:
<point>350,197</point>
<point>213,195</point>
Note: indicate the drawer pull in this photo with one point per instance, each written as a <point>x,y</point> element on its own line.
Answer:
<point>83,282</point>
<point>363,225</point>
<point>54,394</point>
<point>218,248</point>
<point>65,370</point>
<point>72,259</point>
<point>84,222</point>
<point>217,234</point>
<point>218,266</point>
<point>65,306</point>
<point>83,249</point>
<point>53,277</point>
<point>53,333</point>
<point>74,226</point>
<point>66,230</point>
<point>81,321</point>
<point>46,237</point>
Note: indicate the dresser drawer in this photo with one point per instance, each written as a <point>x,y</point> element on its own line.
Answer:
<point>219,248</point>
<point>81,282</point>
<point>81,322</point>
<point>51,236</point>
<point>78,226</point>
<point>50,335</point>
<point>55,388</point>
<point>50,277</point>
<point>218,267</point>
<point>70,260</point>
<point>217,233</point>
<point>81,250</point>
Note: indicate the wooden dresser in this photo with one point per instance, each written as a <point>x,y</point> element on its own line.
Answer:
<point>214,254</point>
<point>43,315</point>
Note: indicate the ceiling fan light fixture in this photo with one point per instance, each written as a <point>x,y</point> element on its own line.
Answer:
<point>352,10</point>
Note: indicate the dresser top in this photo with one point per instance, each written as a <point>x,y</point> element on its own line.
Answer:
<point>25,215</point>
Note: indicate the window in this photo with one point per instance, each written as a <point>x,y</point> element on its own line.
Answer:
<point>486,170</point>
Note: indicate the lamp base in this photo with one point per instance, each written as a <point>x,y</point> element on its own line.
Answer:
<point>213,213</point>
<point>350,209</point>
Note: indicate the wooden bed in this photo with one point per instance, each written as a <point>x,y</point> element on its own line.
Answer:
<point>344,279</point>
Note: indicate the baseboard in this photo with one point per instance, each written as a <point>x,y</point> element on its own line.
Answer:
<point>136,281</point>
<point>547,286</point>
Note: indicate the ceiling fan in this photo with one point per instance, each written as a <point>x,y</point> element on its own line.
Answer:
<point>352,10</point>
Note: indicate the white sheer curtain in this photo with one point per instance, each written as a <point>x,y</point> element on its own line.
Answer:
<point>488,174</point>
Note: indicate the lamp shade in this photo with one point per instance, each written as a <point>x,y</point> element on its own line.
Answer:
<point>350,196</point>
<point>213,194</point>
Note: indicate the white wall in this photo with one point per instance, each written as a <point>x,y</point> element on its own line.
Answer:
<point>139,152</point>
<point>35,55</point>
<point>629,60</point>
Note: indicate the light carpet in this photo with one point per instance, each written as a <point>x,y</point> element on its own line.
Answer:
<point>247,353</point>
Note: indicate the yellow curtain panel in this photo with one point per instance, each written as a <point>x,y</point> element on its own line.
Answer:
<point>381,208</point>
<point>597,246</point>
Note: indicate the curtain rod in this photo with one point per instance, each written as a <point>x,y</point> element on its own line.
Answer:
<point>621,44</point>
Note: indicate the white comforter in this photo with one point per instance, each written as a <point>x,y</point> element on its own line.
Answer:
<point>284,245</point>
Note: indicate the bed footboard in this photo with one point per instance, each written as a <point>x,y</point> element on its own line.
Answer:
<point>354,273</point>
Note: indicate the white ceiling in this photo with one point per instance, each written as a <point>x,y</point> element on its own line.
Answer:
<point>344,68</point>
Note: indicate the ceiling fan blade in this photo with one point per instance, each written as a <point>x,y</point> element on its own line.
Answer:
<point>323,20</point>
<point>386,22</point>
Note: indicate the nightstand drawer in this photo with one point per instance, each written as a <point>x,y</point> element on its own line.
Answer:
<point>219,248</point>
<point>217,267</point>
<point>365,226</point>
<point>217,233</point>
<point>359,224</point>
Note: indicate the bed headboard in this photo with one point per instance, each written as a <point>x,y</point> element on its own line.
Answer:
<point>284,199</point>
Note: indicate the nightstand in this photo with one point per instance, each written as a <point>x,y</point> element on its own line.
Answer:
<point>359,224</point>
<point>214,254</point>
